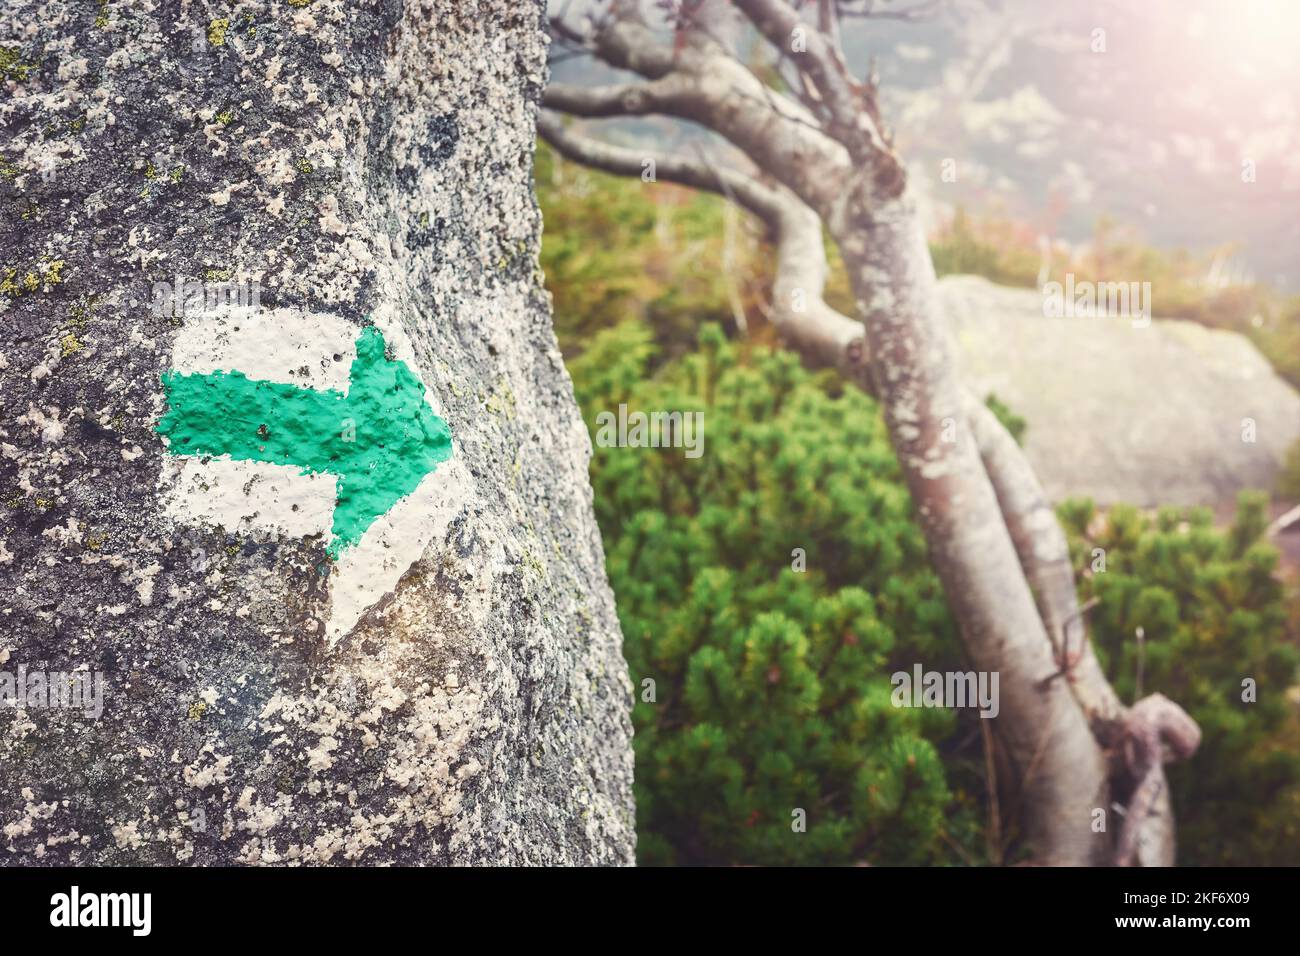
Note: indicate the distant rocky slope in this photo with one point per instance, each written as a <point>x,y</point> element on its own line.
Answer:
<point>1149,415</point>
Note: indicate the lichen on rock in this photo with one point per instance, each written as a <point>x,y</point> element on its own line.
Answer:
<point>367,161</point>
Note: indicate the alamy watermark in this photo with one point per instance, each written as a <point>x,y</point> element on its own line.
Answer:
<point>53,690</point>
<point>923,688</point>
<point>188,297</point>
<point>133,911</point>
<point>1083,299</point>
<point>654,430</point>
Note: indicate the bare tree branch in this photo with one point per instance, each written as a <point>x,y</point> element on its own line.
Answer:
<point>1152,724</point>
<point>703,83</point>
<point>849,101</point>
<point>799,312</point>
<point>1045,557</point>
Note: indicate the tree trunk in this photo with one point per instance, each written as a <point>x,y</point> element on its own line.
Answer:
<point>318,519</point>
<point>1060,773</point>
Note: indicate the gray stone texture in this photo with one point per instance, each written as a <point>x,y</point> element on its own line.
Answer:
<point>1147,415</point>
<point>350,157</point>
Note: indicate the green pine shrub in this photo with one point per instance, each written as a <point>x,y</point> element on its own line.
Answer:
<point>772,688</point>
<point>1213,614</point>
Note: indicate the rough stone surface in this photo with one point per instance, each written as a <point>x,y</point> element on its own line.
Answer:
<point>362,162</point>
<point>1147,415</point>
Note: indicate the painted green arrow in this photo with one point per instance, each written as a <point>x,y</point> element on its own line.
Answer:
<point>379,439</point>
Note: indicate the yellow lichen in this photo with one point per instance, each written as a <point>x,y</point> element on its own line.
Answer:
<point>70,344</point>
<point>226,117</point>
<point>79,312</point>
<point>50,274</point>
<point>217,31</point>
<point>198,709</point>
<point>304,166</point>
<point>12,65</point>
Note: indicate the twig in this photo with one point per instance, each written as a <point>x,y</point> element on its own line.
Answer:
<point>991,785</point>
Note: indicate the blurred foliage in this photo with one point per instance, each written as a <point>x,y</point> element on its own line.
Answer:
<point>772,685</point>
<point>616,248</point>
<point>994,248</point>
<point>1288,483</point>
<point>1213,615</point>
<point>1012,422</point>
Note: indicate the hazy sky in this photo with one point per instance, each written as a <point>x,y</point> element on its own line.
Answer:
<point>1061,111</point>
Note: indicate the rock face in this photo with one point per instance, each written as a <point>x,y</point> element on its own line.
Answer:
<point>294,485</point>
<point>1152,415</point>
